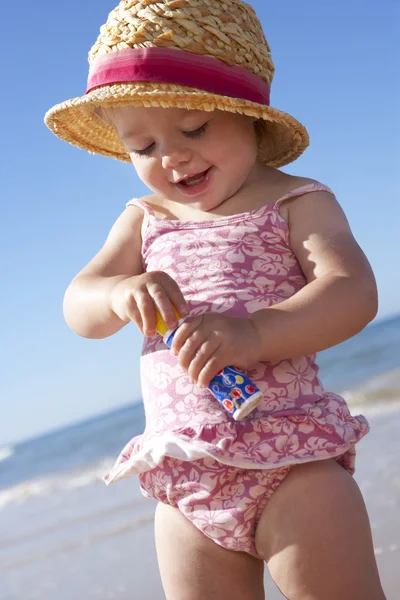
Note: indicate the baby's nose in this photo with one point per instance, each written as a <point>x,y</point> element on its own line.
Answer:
<point>173,157</point>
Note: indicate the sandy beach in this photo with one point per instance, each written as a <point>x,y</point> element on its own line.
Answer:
<point>97,542</point>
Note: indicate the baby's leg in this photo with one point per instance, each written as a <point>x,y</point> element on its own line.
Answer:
<point>315,536</point>
<point>193,567</point>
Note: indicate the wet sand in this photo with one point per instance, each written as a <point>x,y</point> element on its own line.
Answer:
<point>99,542</point>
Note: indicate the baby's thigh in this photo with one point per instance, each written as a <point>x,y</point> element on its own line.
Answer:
<point>315,536</point>
<point>193,567</point>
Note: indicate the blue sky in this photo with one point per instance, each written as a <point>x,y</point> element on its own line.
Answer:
<point>336,70</point>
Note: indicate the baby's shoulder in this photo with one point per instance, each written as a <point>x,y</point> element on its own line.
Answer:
<point>286,184</point>
<point>287,189</point>
<point>282,186</point>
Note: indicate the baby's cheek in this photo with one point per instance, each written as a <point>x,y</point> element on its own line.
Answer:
<point>143,172</point>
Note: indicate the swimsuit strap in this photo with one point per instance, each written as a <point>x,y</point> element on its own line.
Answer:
<point>304,189</point>
<point>142,204</point>
<point>148,212</point>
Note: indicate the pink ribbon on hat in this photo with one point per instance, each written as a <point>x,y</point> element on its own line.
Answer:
<point>166,65</point>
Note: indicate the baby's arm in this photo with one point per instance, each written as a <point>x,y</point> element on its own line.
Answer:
<point>112,290</point>
<point>87,307</point>
<point>340,297</point>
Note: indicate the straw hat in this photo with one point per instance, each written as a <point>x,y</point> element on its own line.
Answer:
<point>193,54</point>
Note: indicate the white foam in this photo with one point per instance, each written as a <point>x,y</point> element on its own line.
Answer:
<point>42,486</point>
<point>374,410</point>
<point>6,452</point>
<point>378,395</point>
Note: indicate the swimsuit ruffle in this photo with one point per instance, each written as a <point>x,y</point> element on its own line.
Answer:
<point>321,430</point>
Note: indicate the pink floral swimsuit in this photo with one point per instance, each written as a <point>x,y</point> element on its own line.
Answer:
<point>220,473</point>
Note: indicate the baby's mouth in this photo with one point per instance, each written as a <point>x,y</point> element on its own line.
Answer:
<point>198,184</point>
<point>195,180</point>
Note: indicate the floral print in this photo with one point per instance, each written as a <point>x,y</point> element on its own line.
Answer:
<point>298,375</point>
<point>224,503</point>
<point>234,265</point>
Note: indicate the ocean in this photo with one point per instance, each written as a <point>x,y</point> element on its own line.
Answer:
<point>54,504</point>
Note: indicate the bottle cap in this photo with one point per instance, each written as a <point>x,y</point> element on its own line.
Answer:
<point>161,327</point>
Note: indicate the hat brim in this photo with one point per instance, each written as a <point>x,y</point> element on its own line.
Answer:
<point>282,139</point>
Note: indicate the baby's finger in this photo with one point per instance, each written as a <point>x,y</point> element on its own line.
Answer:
<point>198,368</point>
<point>163,304</point>
<point>210,370</point>
<point>134,315</point>
<point>148,314</point>
<point>183,333</point>
<point>177,298</point>
<point>190,349</point>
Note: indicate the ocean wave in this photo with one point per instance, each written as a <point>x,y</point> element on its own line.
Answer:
<point>42,486</point>
<point>6,452</point>
<point>377,395</point>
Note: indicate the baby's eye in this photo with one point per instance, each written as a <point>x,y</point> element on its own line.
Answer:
<point>145,152</point>
<point>196,132</point>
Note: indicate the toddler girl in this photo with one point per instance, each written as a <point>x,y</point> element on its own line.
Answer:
<point>266,269</point>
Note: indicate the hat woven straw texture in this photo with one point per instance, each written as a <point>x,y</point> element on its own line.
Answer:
<point>228,30</point>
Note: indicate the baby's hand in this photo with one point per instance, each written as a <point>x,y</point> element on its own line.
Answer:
<point>138,298</point>
<point>208,343</point>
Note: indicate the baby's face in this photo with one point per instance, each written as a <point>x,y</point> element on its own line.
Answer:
<point>167,145</point>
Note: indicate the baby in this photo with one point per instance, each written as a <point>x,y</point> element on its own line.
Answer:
<point>266,270</point>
